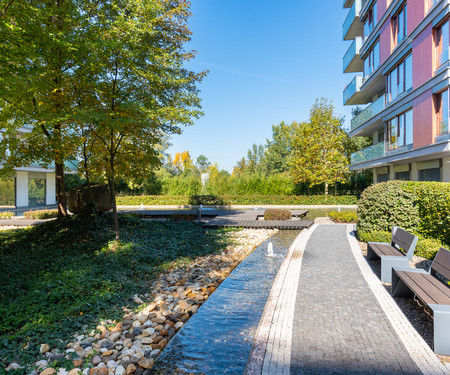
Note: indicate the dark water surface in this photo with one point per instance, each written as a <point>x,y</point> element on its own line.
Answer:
<point>219,337</point>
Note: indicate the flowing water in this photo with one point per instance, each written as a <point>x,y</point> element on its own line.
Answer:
<point>219,337</point>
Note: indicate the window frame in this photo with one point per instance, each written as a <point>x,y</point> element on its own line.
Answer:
<point>398,131</point>
<point>399,75</point>
<point>399,22</point>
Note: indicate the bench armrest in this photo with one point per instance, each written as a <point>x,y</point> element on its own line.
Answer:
<point>416,270</point>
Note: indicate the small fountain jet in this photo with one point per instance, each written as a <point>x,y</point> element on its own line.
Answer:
<point>270,250</point>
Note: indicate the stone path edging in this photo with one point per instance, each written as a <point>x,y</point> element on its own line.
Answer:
<point>271,350</point>
<point>417,348</point>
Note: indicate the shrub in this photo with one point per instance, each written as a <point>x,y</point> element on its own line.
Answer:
<point>274,214</point>
<point>6,215</point>
<point>183,200</point>
<point>343,216</point>
<point>426,247</point>
<point>386,204</point>
<point>40,214</point>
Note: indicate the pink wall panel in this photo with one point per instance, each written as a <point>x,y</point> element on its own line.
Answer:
<point>381,8</point>
<point>423,57</point>
<point>416,13</point>
<point>423,130</point>
<point>385,41</point>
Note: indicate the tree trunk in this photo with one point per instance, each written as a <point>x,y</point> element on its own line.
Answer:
<point>326,188</point>
<point>112,188</point>
<point>60,189</point>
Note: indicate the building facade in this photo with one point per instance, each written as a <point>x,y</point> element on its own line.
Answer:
<point>30,186</point>
<point>399,51</point>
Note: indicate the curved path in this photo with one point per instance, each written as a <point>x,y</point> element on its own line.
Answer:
<point>329,314</point>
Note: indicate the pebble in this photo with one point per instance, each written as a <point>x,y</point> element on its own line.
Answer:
<point>48,371</point>
<point>44,348</point>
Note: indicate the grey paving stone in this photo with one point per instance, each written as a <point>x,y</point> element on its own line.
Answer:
<point>339,326</point>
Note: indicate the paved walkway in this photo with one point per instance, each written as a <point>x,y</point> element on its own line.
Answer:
<point>329,314</point>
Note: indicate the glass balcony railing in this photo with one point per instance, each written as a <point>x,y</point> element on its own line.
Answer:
<point>352,14</point>
<point>352,52</point>
<point>372,110</point>
<point>352,88</point>
<point>71,165</point>
<point>369,153</point>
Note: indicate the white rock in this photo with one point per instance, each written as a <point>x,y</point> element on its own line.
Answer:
<point>155,353</point>
<point>41,364</point>
<point>62,371</point>
<point>120,370</point>
<point>111,364</point>
<point>148,332</point>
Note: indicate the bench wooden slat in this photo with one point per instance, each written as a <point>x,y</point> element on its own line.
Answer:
<point>403,239</point>
<point>441,263</point>
<point>426,287</point>
<point>381,249</point>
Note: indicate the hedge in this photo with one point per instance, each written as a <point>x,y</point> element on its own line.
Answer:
<point>40,214</point>
<point>274,214</point>
<point>158,200</point>
<point>425,248</point>
<point>420,207</point>
<point>343,216</point>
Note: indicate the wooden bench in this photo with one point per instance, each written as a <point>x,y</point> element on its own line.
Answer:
<point>396,254</point>
<point>431,291</point>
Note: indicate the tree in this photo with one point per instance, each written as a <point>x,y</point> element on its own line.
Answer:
<point>40,44</point>
<point>203,163</point>
<point>255,158</point>
<point>318,148</point>
<point>183,162</point>
<point>133,87</point>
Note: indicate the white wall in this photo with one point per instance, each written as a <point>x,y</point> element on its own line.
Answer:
<point>21,189</point>
<point>446,169</point>
<point>50,188</point>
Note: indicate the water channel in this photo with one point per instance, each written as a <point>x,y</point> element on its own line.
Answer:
<point>219,337</point>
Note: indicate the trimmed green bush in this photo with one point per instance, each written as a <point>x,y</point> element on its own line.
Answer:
<point>6,214</point>
<point>40,214</point>
<point>343,216</point>
<point>386,204</point>
<point>426,247</point>
<point>274,214</point>
<point>418,207</point>
<point>183,200</point>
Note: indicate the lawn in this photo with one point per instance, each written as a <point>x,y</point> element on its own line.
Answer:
<point>64,276</point>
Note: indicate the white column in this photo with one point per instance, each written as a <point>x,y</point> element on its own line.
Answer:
<point>21,189</point>
<point>50,188</point>
<point>446,170</point>
<point>414,172</point>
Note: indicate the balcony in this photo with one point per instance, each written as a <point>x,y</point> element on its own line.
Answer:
<point>353,26</point>
<point>352,90</point>
<point>352,60</point>
<point>372,110</point>
<point>348,3</point>
<point>369,153</point>
<point>71,165</point>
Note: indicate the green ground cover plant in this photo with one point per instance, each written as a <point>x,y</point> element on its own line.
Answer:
<point>40,214</point>
<point>274,214</point>
<point>64,276</point>
<point>343,216</point>
<point>236,200</point>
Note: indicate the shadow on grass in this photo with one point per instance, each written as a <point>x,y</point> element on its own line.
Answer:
<point>64,276</point>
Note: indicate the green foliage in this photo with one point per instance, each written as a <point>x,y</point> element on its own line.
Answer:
<point>318,148</point>
<point>275,214</point>
<point>425,248</point>
<point>387,204</point>
<point>343,216</point>
<point>159,200</point>
<point>6,214</point>
<point>7,192</point>
<point>40,214</point>
<point>71,274</point>
<point>418,207</point>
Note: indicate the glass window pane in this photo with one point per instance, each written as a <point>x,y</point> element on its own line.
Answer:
<point>376,58</point>
<point>401,78</point>
<point>408,73</point>
<point>401,130</point>
<point>401,27</point>
<point>374,10</point>
<point>393,134</point>
<point>443,57</point>
<point>394,84</point>
<point>409,127</point>
<point>7,192</point>
<point>36,191</point>
<point>444,109</point>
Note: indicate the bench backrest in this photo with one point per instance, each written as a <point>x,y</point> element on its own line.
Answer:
<point>441,263</point>
<point>405,240</point>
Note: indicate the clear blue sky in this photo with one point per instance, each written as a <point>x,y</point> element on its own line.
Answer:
<point>268,62</point>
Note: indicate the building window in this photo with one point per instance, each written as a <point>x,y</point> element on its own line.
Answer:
<point>399,25</point>
<point>371,20</point>
<point>399,79</point>
<point>372,61</point>
<point>7,192</point>
<point>399,131</point>
<point>382,177</point>
<point>404,176</point>
<point>442,112</point>
<point>432,174</point>
<point>441,43</point>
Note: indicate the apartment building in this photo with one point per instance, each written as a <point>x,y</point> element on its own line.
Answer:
<point>30,186</point>
<point>399,51</point>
